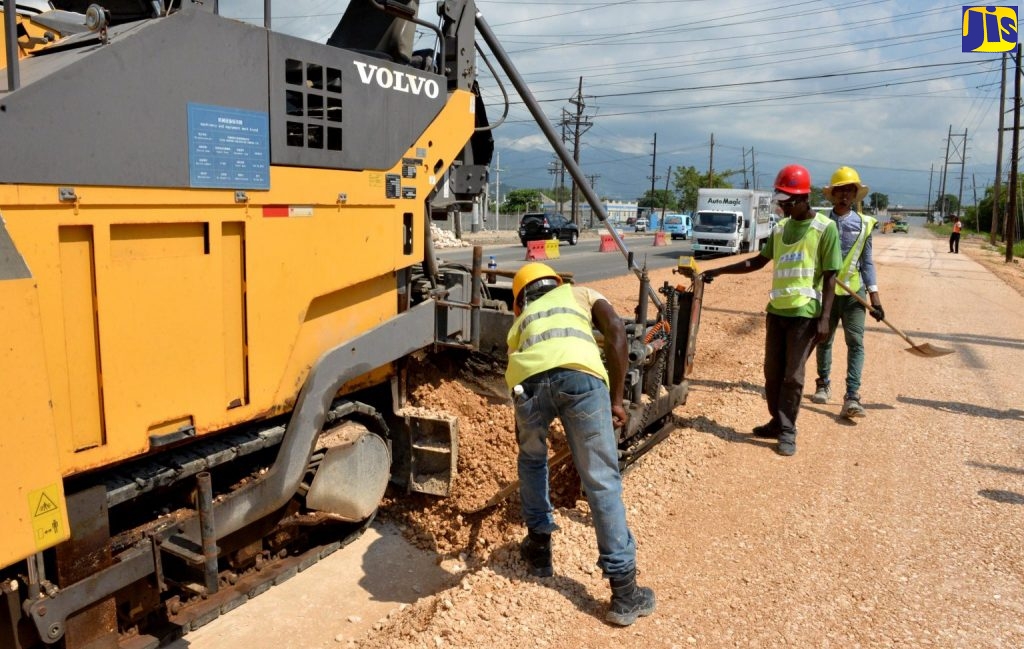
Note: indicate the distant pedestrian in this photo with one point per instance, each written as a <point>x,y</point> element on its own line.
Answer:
<point>954,236</point>
<point>555,370</point>
<point>845,191</point>
<point>804,251</point>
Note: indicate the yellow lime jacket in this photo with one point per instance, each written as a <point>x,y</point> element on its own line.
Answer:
<point>796,278</point>
<point>850,272</point>
<point>553,331</point>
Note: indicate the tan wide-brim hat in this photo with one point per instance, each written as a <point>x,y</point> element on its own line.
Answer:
<point>862,191</point>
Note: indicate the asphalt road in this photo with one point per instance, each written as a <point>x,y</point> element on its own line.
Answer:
<point>584,260</point>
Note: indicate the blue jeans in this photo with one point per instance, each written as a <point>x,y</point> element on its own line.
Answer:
<point>582,402</point>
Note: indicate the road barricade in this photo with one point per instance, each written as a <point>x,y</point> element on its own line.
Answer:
<point>551,249</point>
<point>659,239</point>
<point>536,250</point>
<point>607,244</point>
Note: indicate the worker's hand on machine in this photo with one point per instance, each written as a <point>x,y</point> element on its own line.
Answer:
<point>618,416</point>
<point>877,313</point>
<point>708,276</point>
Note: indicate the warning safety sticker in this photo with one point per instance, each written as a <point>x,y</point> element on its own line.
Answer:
<point>46,516</point>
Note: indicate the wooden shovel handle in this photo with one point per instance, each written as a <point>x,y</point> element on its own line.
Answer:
<point>867,305</point>
<point>506,491</point>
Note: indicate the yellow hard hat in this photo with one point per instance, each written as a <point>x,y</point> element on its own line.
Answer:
<point>530,273</point>
<point>846,176</point>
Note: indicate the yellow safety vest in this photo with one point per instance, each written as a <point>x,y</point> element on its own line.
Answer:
<point>793,279</point>
<point>554,331</point>
<point>850,272</point>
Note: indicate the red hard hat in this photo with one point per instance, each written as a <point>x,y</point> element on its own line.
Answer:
<point>794,180</point>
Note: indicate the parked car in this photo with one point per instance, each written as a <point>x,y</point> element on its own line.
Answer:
<point>537,226</point>
<point>640,225</point>
<point>679,226</point>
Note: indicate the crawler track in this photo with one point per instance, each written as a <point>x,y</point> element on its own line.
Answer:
<point>235,590</point>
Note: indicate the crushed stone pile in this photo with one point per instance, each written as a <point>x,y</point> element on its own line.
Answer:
<point>445,238</point>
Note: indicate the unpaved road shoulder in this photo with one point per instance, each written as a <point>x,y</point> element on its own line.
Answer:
<point>904,529</point>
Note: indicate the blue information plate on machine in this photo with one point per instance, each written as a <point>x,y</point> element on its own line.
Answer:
<point>228,148</point>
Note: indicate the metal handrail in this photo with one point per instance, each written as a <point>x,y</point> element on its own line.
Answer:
<point>11,38</point>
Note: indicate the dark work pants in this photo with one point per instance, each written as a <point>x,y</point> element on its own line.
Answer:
<point>787,346</point>
<point>954,242</point>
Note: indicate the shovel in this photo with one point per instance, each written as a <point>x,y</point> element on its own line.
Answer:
<point>925,350</point>
<point>513,486</point>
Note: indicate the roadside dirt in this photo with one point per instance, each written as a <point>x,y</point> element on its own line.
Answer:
<point>903,529</point>
<point>979,249</point>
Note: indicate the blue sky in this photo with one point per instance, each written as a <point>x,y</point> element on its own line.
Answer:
<point>874,84</point>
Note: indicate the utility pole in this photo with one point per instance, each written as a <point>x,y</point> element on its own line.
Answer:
<point>668,174</point>
<point>561,179</point>
<point>711,162</point>
<point>592,179</point>
<point>997,208</point>
<point>753,167</point>
<point>578,122</point>
<point>1011,211</point>
<point>963,161</point>
<point>959,146</point>
<point>931,173</point>
<point>746,183</point>
<point>654,176</point>
<point>945,168</point>
<point>974,189</point>
<point>557,170</point>
<point>497,191</point>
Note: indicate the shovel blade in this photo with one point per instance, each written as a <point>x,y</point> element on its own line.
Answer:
<point>927,350</point>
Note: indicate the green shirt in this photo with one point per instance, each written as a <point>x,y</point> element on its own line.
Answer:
<point>830,257</point>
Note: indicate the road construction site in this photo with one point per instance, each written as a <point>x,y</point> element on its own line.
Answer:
<point>901,529</point>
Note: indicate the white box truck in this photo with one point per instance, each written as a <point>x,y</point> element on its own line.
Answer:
<point>728,221</point>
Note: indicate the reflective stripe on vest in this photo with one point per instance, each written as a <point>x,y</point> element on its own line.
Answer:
<point>850,271</point>
<point>553,331</point>
<point>793,275</point>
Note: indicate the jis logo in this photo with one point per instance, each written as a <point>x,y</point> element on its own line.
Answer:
<point>989,29</point>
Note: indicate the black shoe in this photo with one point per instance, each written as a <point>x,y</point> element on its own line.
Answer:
<point>767,431</point>
<point>786,448</point>
<point>536,552</point>
<point>787,444</point>
<point>629,601</point>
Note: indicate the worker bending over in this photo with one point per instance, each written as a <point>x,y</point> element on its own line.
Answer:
<point>555,370</point>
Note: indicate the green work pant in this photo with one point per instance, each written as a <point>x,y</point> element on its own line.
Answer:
<point>845,309</point>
